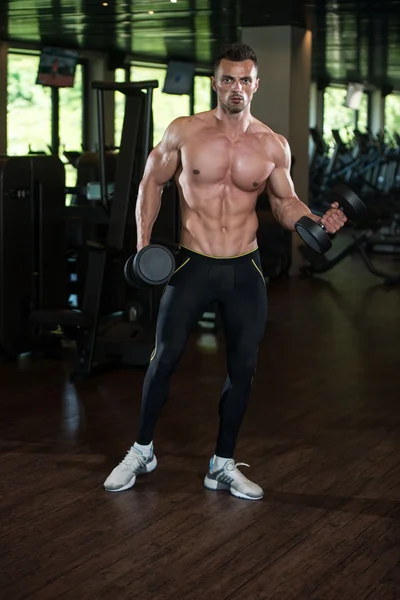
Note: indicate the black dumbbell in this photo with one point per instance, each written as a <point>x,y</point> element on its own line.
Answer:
<point>315,235</point>
<point>152,265</point>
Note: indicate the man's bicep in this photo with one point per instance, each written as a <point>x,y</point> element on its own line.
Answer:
<point>280,184</point>
<point>161,165</point>
<point>164,159</point>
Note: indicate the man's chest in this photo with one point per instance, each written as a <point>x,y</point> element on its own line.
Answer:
<point>215,159</point>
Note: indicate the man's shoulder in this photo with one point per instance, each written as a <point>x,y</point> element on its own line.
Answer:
<point>272,140</point>
<point>268,134</point>
<point>184,128</point>
<point>197,120</point>
<point>177,124</point>
<point>275,145</point>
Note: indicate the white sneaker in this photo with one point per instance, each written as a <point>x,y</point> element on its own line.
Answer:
<point>135,463</point>
<point>229,478</point>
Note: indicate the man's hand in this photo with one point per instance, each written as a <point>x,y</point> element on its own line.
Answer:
<point>333,219</point>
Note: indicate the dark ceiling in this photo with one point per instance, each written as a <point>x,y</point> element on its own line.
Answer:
<point>352,40</point>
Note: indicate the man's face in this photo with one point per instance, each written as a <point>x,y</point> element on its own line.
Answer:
<point>235,84</point>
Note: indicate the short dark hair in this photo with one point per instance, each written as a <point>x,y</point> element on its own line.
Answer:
<point>236,52</point>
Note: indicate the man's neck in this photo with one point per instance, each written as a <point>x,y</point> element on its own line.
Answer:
<point>233,124</point>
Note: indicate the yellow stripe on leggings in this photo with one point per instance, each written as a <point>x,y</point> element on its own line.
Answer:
<point>154,351</point>
<point>262,276</point>
<point>182,265</point>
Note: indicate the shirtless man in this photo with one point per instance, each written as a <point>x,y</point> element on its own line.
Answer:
<point>222,160</point>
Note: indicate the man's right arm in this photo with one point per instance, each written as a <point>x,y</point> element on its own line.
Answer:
<point>161,166</point>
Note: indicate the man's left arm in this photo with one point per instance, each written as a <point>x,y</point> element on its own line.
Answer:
<point>286,206</point>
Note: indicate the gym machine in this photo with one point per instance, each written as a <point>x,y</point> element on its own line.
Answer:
<point>318,242</point>
<point>370,165</point>
<point>33,273</point>
<point>320,263</point>
<point>103,340</point>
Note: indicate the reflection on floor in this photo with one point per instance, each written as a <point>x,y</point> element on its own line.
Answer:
<point>321,435</point>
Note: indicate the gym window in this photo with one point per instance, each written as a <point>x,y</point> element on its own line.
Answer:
<point>166,107</point>
<point>362,114</point>
<point>28,107</point>
<point>338,116</point>
<point>392,113</point>
<point>202,93</point>
<point>119,107</point>
<point>71,122</point>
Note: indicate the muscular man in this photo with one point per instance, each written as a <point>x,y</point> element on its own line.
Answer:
<point>222,160</point>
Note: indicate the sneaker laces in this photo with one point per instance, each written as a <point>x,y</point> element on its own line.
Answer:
<point>234,471</point>
<point>132,456</point>
<point>232,466</point>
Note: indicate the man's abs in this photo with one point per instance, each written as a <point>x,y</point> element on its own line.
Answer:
<point>218,237</point>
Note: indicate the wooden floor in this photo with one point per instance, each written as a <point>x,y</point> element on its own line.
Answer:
<point>322,436</point>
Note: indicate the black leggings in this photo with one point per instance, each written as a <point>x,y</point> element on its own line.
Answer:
<point>237,285</point>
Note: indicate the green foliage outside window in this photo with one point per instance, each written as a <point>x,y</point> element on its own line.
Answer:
<point>71,122</point>
<point>119,108</point>
<point>29,112</point>
<point>28,107</point>
<point>166,107</point>
<point>202,93</point>
<point>362,122</point>
<point>392,113</point>
<point>338,116</point>
<point>71,115</point>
